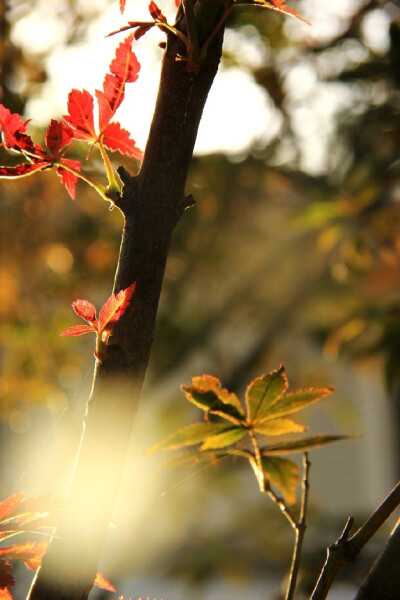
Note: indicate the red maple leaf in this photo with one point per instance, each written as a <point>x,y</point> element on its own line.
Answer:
<point>10,125</point>
<point>103,583</point>
<point>111,311</point>
<point>8,506</point>
<point>117,138</point>
<point>58,136</point>
<point>124,68</point>
<point>5,594</point>
<point>68,178</point>
<point>25,169</point>
<point>80,117</point>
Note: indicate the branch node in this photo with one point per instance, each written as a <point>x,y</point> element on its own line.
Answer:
<point>124,175</point>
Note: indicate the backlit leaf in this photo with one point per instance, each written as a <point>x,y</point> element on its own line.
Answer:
<point>156,12</point>
<point>125,65</point>
<point>298,400</point>
<point>192,434</point>
<point>80,115</point>
<point>117,138</point>
<point>77,330</point>
<point>122,6</point>
<point>283,474</point>
<point>86,310</point>
<point>24,551</point>
<point>206,393</point>
<point>278,427</point>
<point>103,583</point>
<point>10,124</point>
<point>23,170</point>
<point>315,441</point>
<point>68,178</point>
<point>115,307</point>
<point>225,438</point>
<point>263,392</point>
<point>58,135</point>
<point>9,506</point>
<point>5,594</point>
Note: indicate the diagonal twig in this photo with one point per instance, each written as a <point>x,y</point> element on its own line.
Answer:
<point>346,549</point>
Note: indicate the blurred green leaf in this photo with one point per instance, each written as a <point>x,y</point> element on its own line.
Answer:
<point>226,438</point>
<point>298,400</point>
<point>315,441</point>
<point>263,392</point>
<point>206,393</point>
<point>284,474</point>
<point>192,434</point>
<point>278,427</point>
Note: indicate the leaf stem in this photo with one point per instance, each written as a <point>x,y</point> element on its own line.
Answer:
<point>300,529</point>
<point>100,189</point>
<point>113,185</point>
<point>203,53</point>
<point>264,483</point>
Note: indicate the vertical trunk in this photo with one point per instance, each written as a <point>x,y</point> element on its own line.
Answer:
<point>152,203</point>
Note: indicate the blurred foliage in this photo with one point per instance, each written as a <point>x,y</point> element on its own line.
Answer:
<point>295,244</point>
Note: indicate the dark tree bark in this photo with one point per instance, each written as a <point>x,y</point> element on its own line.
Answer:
<point>152,203</point>
<point>383,580</point>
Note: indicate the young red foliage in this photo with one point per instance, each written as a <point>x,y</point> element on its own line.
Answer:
<point>124,68</point>
<point>156,12</point>
<point>80,117</point>
<point>10,125</point>
<point>117,138</point>
<point>115,307</point>
<point>40,512</point>
<point>122,6</point>
<point>58,136</point>
<point>68,178</point>
<point>111,311</point>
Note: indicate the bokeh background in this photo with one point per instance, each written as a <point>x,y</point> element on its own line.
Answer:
<point>291,254</point>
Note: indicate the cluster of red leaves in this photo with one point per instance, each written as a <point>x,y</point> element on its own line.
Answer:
<point>124,68</point>
<point>77,124</point>
<point>111,311</point>
<point>58,137</point>
<point>35,515</point>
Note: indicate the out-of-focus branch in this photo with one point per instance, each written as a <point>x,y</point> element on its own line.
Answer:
<point>346,549</point>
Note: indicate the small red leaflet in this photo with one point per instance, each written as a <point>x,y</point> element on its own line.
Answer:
<point>111,311</point>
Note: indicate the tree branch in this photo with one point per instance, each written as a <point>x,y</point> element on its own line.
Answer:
<point>152,203</point>
<point>300,529</point>
<point>383,580</point>
<point>346,549</point>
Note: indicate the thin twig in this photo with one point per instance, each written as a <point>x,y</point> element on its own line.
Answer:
<point>300,529</point>
<point>264,485</point>
<point>346,549</point>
